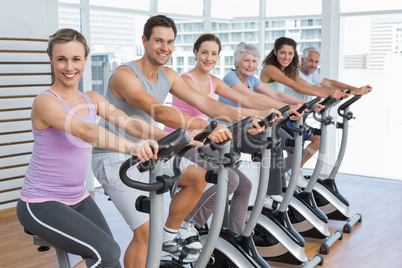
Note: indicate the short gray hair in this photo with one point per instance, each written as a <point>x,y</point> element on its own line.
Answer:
<point>307,51</point>
<point>244,47</point>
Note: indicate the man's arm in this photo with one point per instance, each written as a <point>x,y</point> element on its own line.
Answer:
<point>342,86</point>
<point>314,90</point>
<point>125,84</point>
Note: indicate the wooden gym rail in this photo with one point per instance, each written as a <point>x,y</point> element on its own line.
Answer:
<point>20,154</point>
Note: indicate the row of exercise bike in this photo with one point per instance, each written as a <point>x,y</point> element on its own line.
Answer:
<point>271,233</point>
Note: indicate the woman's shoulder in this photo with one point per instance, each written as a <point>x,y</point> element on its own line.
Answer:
<point>44,97</point>
<point>230,76</point>
<point>271,68</point>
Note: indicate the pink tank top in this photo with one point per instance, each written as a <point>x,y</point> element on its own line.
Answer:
<point>187,108</point>
<point>59,163</point>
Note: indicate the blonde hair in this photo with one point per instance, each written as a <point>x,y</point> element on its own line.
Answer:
<point>66,35</point>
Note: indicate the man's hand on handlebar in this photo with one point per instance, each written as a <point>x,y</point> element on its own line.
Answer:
<point>143,150</point>
<point>220,134</point>
<point>362,90</point>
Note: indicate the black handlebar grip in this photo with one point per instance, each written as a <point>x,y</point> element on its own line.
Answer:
<point>271,116</point>
<point>313,101</point>
<point>241,124</point>
<point>175,135</point>
<point>284,109</point>
<point>164,144</point>
<point>347,92</point>
<point>302,107</point>
<point>313,104</point>
<point>326,100</point>
<point>349,102</point>
<point>206,131</point>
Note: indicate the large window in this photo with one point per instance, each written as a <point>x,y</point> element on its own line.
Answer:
<point>369,45</point>
<point>363,5</point>
<point>140,5</point>
<point>193,7</point>
<point>371,55</point>
<point>231,9</point>
<point>292,7</point>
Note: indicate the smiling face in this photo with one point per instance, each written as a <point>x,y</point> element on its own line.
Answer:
<point>310,63</point>
<point>159,47</point>
<point>68,60</point>
<point>207,56</point>
<point>247,64</point>
<point>285,55</point>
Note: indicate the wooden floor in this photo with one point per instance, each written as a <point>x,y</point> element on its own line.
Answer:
<point>375,242</point>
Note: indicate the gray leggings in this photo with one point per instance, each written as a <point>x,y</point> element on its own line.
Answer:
<point>79,229</point>
<point>238,184</point>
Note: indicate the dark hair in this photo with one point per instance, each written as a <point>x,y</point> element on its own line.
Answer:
<point>206,37</point>
<point>158,20</point>
<point>291,69</point>
<point>64,36</point>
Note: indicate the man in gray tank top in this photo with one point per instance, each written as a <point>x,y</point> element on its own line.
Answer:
<point>139,88</point>
<point>308,71</point>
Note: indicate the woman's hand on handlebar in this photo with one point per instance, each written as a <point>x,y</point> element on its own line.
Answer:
<point>220,134</point>
<point>196,143</point>
<point>255,127</point>
<point>339,94</point>
<point>264,113</point>
<point>143,150</point>
<point>319,107</point>
<point>293,111</point>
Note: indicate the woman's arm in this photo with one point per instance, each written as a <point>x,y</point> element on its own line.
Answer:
<point>251,100</point>
<point>272,102</point>
<point>299,85</point>
<point>49,112</point>
<point>280,96</point>
<point>204,104</point>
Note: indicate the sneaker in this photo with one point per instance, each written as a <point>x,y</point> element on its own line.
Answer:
<point>174,249</point>
<point>287,177</point>
<point>189,235</point>
<point>302,181</point>
<point>272,201</point>
<point>268,202</point>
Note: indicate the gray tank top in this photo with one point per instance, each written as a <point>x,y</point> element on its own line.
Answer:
<point>159,90</point>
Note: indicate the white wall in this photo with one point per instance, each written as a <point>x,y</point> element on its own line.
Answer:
<point>21,19</point>
<point>27,18</point>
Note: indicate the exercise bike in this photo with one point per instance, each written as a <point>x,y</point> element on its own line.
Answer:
<point>326,193</point>
<point>230,249</point>
<point>275,237</point>
<point>305,216</point>
<point>173,145</point>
